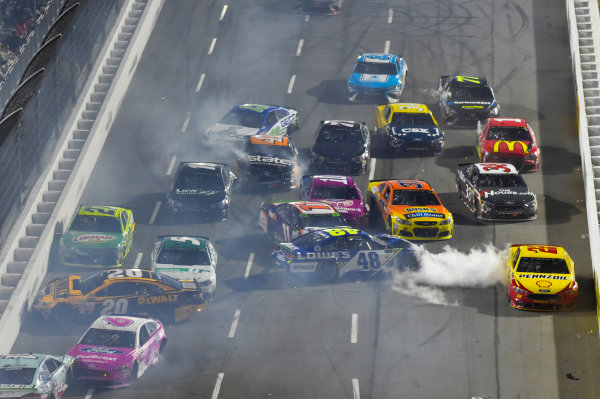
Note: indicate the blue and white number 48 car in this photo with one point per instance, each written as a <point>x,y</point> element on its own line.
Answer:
<point>329,253</point>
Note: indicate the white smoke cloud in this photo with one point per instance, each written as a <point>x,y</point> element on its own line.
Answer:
<point>480,267</point>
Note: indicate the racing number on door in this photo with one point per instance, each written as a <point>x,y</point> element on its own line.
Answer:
<point>112,306</point>
<point>369,260</point>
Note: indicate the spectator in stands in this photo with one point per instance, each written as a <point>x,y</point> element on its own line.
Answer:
<point>7,59</point>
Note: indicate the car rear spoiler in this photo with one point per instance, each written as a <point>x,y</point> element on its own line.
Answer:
<point>182,236</point>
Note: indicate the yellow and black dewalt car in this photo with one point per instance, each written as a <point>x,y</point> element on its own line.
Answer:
<point>119,291</point>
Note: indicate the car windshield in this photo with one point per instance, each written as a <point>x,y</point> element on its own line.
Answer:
<point>498,180</point>
<point>473,93</point>
<point>95,223</point>
<point>376,68</point>
<point>415,198</point>
<point>17,375</point>
<point>509,133</point>
<point>403,118</point>
<point>307,241</point>
<point>111,338</point>
<point>334,192</point>
<point>322,220</point>
<point>339,135</point>
<point>281,151</point>
<point>91,283</point>
<point>183,256</point>
<point>200,179</point>
<point>243,117</point>
<point>542,265</point>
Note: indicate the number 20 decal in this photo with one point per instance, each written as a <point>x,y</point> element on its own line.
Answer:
<point>112,306</point>
<point>135,273</point>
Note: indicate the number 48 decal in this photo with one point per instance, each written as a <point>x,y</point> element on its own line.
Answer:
<point>369,260</point>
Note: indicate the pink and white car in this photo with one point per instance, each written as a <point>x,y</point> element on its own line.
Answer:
<point>117,350</point>
<point>338,191</point>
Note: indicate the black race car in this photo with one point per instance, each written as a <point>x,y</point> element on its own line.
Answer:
<point>341,147</point>
<point>495,191</point>
<point>465,98</point>
<point>329,7</point>
<point>203,188</point>
<point>268,161</point>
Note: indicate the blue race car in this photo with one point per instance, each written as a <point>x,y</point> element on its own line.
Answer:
<point>376,77</point>
<point>329,253</point>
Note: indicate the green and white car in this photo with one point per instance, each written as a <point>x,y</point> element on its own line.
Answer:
<point>187,258</point>
<point>98,236</point>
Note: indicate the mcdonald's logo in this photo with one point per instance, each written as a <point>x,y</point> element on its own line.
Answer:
<point>510,146</point>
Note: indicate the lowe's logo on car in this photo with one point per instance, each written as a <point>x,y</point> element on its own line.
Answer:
<point>323,255</point>
<point>92,238</point>
<point>275,160</point>
<point>108,351</point>
<point>546,276</point>
<point>424,215</point>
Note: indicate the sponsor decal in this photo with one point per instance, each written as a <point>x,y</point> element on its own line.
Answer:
<point>544,290</point>
<point>152,300</point>
<point>502,191</point>
<point>323,255</point>
<point>543,283</point>
<point>423,209</point>
<point>301,268</point>
<point>425,215</point>
<point>259,159</point>
<point>473,103</point>
<point>510,146</point>
<point>107,351</point>
<point>92,238</point>
<point>546,276</point>
<point>472,106</point>
<point>195,192</point>
<point>96,358</point>
<point>119,321</point>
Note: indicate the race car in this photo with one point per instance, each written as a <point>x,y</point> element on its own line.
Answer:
<point>268,161</point>
<point>409,127</point>
<point>330,253</point>
<point>187,258</point>
<point>540,277</point>
<point>250,120</point>
<point>495,191</point>
<point>117,350</point>
<point>465,98</point>
<point>377,76</point>
<point>410,209</point>
<point>98,236</point>
<point>202,188</point>
<point>34,375</point>
<point>284,221</point>
<point>329,7</point>
<point>338,191</point>
<point>118,291</point>
<point>508,140</point>
<point>341,147</point>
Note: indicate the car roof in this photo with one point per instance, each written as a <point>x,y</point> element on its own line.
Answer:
<point>469,80</point>
<point>184,241</point>
<point>28,360</point>
<point>409,185</point>
<point>92,210</point>
<point>119,322</point>
<point>495,168</point>
<point>201,165</point>
<point>534,251</point>
<point>507,122</point>
<point>316,207</point>
<point>259,108</point>
<point>409,108</point>
<point>270,140</point>
<point>342,123</point>
<point>332,180</point>
<point>383,58</point>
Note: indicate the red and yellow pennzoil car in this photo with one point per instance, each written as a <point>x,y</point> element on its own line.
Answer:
<point>540,277</point>
<point>410,209</point>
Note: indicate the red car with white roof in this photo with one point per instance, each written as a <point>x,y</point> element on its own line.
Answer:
<point>508,140</point>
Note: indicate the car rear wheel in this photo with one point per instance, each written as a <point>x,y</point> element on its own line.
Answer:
<point>163,344</point>
<point>134,372</point>
<point>327,270</point>
<point>388,227</point>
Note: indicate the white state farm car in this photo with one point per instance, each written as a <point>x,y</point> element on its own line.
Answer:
<point>187,258</point>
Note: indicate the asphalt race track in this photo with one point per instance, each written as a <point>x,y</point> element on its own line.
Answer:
<point>269,336</point>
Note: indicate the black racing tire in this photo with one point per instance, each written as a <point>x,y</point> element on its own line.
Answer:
<point>163,344</point>
<point>388,227</point>
<point>63,314</point>
<point>327,270</point>
<point>134,372</point>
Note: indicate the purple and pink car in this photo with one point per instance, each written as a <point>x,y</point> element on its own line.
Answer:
<point>338,191</point>
<point>117,350</point>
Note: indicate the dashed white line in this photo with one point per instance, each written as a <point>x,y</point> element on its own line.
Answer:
<point>372,168</point>
<point>199,85</point>
<point>234,323</point>
<point>223,12</point>
<point>249,265</point>
<point>212,45</point>
<point>299,50</point>
<point>215,394</point>
<point>155,212</point>
<point>355,388</point>
<point>186,122</point>
<point>354,329</point>
<point>306,18</point>
<point>171,165</point>
<point>138,260</point>
<point>291,85</point>
<point>387,46</point>
<point>390,15</point>
<point>89,393</point>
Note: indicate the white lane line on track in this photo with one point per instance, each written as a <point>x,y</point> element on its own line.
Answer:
<point>223,12</point>
<point>372,168</point>
<point>234,323</point>
<point>306,18</point>
<point>199,85</point>
<point>155,212</point>
<point>171,165</point>
<point>249,265</point>
<point>212,45</point>
<point>390,15</point>
<point>138,260</point>
<point>186,122</point>
<point>291,85</point>
<point>215,394</point>
<point>355,388</point>
<point>387,47</point>
<point>89,393</point>
<point>299,50</point>
<point>354,329</point>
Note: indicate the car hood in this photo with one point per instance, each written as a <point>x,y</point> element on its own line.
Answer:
<point>198,273</point>
<point>423,132</point>
<point>508,149</point>
<point>222,129</point>
<point>336,151</point>
<point>372,81</point>
<point>197,195</point>
<point>266,162</point>
<point>431,212</point>
<point>472,104</point>
<point>506,196</point>
<point>543,283</point>
<point>83,239</point>
<point>346,207</point>
<point>101,357</point>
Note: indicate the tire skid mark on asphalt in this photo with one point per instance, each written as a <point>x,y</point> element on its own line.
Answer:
<point>234,323</point>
